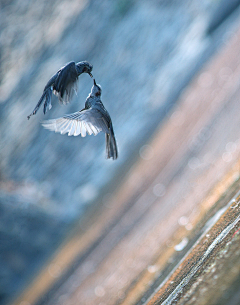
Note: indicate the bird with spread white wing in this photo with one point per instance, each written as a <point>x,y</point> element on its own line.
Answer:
<point>92,119</point>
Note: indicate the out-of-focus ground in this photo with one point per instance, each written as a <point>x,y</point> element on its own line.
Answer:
<point>144,54</point>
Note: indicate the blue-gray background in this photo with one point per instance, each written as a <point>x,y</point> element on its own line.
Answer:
<point>143,54</point>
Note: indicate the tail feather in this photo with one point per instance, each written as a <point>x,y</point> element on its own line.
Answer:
<point>111,145</point>
<point>46,98</point>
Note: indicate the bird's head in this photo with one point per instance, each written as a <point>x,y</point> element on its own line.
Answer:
<point>96,89</point>
<point>85,67</point>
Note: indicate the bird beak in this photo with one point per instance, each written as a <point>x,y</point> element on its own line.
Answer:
<point>94,82</point>
<point>90,74</point>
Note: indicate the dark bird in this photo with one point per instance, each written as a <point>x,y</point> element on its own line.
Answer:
<point>63,84</point>
<point>92,119</point>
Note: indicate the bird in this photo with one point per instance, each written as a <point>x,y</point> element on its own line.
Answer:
<point>92,119</point>
<point>63,84</point>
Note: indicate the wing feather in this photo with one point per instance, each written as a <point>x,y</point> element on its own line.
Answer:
<point>89,130</point>
<point>72,128</point>
<point>87,121</point>
<point>65,83</point>
<point>61,125</point>
<point>78,129</point>
<point>66,127</point>
<point>83,131</point>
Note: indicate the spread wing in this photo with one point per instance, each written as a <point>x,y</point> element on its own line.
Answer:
<point>65,83</point>
<point>89,121</point>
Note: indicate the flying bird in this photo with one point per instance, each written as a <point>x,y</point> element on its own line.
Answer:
<point>92,119</point>
<point>63,84</point>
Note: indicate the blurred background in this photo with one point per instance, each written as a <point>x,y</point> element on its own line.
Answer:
<point>143,53</point>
